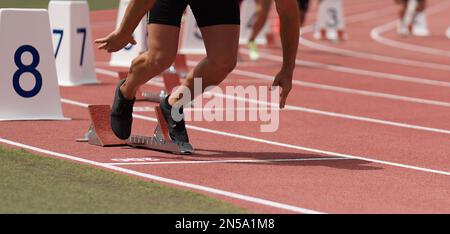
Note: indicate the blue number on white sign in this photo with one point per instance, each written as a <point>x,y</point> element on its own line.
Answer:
<point>333,13</point>
<point>129,46</point>
<point>27,69</point>
<point>82,31</point>
<point>59,32</point>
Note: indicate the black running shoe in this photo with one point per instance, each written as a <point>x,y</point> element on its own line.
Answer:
<point>122,114</point>
<point>177,130</point>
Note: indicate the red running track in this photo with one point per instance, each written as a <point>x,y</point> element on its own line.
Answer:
<point>373,140</point>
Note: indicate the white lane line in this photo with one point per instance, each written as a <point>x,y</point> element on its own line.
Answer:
<point>270,78</point>
<point>357,54</point>
<point>134,160</point>
<point>345,90</point>
<point>338,115</point>
<point>151,109</point>
<point>356,71</point>
<point>376,35</point>
<point>280,144</point>
<point>257,161</point>
<point>105,72</point>
<point>376,57</point>
<point>238,196</point>
<point>74,103</point>
<point>326,113</point>
<point>114,74</point>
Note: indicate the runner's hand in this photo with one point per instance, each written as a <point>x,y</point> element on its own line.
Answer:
<point>114,42</point>
<point>283,80</point>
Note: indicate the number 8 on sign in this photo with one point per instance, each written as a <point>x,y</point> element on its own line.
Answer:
<point>27,69</point>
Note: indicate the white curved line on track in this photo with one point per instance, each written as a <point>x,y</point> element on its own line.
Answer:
<point>356,71</point>
<point>376,35</point>
<point>371,56</point>
<point>376,57</point>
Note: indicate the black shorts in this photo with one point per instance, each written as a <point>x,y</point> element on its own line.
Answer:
<point>206,12</point>
<point>303,5</point>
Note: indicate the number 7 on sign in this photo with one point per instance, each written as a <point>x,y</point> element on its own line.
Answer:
<point>82,31</point>
<point>60,32</point>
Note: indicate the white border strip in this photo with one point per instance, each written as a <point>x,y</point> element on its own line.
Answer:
<point>376,35</point>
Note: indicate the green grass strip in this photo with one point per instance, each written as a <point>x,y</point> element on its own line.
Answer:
<point>93,4</point>
<point>37,184</point>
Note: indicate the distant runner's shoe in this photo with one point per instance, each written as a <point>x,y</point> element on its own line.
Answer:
<point>253,51</point>
<point>402,30</point>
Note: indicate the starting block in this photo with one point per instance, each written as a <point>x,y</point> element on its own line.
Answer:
<point>100,133</point>
<point>160,141</point>
<point>330,24</point>
<point>171,80</point>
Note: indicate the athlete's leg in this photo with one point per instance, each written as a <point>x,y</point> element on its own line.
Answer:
<point>218,21</point>
<point>221,42</point>
<point>402,27</point>
<point>164,19</point>
<point>303,7</point>
<point>262,10</point>
<point>421,5</point>
<point>162,50</point>
<point>403,5</point>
